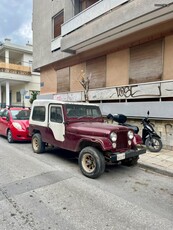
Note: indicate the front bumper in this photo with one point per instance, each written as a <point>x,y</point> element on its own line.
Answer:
<point>115,157</point>
<point>21,135</point>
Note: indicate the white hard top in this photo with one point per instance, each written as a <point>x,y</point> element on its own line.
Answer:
<point>45,102</point>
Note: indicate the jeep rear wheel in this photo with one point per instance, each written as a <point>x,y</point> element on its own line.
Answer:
<point>38,145</point>
<point>91,162</point>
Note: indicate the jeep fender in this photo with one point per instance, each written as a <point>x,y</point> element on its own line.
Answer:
<point>101,143</point>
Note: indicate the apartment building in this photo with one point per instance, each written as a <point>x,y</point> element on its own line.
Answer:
<point>123,50</point>
<point>17,80</point>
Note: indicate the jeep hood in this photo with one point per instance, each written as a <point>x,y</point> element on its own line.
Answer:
<point>94,128</point>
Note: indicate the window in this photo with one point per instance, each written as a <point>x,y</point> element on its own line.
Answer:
<point>82,111</point>
<point>18,97</point>
<point>56,114</point>
<point>39,113</point>
<point>4,113</point>
<point>86,3</point>
<point>58,20</point>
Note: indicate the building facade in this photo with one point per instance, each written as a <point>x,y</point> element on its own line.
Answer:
<point>123,49</point>
<point>17,80</point>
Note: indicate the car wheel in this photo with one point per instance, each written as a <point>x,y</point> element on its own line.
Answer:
<point>38,145</point>
<point>91,162</point>
<point>130,162</point>
<point>9,136</point>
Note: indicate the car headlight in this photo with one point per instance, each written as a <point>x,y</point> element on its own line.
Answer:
<point>113,136</point>
<point>17,126</point>
<point>130,134</point>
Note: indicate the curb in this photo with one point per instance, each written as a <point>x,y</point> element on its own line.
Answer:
<point>156,169</point>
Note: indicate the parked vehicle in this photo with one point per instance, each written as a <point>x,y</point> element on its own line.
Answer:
<point>149,137</point>
<point>14,124</point>
<point>80,127</point>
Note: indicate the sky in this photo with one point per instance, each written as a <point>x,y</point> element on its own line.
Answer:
<point>16,21</point>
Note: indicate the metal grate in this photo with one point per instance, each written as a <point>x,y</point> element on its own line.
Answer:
<point>122,140</point>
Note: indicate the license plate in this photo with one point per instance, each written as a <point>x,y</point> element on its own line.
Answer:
<point>120,156</point>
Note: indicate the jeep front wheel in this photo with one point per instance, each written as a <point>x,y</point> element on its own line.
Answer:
<point>130,162</point>
<point>91,162</point>
<point>38,145</point>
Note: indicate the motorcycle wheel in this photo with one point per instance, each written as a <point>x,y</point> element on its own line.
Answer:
<point>153,144</point>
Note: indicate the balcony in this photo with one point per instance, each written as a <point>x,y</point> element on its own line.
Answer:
<point>89,14</point>
<point>15,69</point>
<point>108,20</point>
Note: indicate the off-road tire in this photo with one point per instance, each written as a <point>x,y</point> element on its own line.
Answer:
<point>9,136</point>
<point>154,144</point>
<point>38,145</point>
<point>130,162</point>
<point>91,162</point>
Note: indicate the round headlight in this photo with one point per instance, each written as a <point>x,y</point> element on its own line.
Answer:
<point>113,136</point>
<point>130,134</point>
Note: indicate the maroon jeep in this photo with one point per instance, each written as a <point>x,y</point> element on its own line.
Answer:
<point>80,127</point>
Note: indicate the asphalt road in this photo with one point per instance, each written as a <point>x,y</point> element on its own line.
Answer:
<point>48,191</point>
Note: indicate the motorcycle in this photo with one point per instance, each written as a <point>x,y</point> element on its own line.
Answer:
<point>150,138</point>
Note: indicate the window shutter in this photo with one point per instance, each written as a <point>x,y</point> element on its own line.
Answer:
<point>97,69</point>
<point>58,21</point>
<point>146,63</point>
<point>63,80</point>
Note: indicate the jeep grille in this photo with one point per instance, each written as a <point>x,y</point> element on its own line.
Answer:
<point>122,140</point>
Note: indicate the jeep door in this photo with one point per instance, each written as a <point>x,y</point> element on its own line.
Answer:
<point>56,123</point>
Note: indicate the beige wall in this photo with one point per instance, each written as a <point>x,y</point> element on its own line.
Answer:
<point>76,73</point>
<point>168,59</point>
<point>117,68</point>
<point>49,77</point>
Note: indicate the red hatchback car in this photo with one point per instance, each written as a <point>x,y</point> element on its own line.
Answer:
<point>14,124</point>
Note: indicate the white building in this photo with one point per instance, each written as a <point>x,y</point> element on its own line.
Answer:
<point>17,81</point>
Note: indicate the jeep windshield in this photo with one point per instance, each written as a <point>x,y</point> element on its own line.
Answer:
<point>83,111</point>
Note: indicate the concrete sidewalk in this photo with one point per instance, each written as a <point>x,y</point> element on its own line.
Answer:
<point>161,162</point>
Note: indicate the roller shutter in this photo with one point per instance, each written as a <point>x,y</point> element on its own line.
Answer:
<point>146,62</point>
<point>96,68</point>
<point>63,80</point>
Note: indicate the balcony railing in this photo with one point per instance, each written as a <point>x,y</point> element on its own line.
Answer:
<point>89,14</point>
<point>15,69</point>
